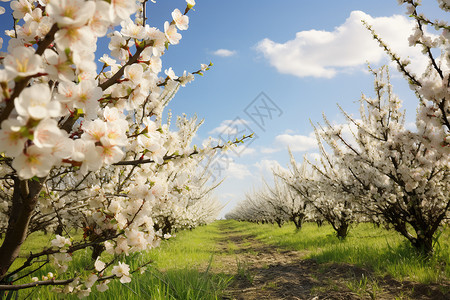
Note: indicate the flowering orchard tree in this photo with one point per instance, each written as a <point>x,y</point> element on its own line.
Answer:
<point>398,180</point>
<point>433,86</point>
<point>253,209</point>
<point>320,187</point>
<point>395,176</point>
<point>285,199</point>
<point>172,196</point>
<point>274,204</point>
<point>87,149</point>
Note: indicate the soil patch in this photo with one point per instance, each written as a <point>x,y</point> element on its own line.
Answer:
<point>266,272</point>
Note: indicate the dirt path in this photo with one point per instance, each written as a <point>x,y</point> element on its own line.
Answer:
<point>265,272</point>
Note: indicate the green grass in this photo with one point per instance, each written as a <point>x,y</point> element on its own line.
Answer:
<point>383,251</point>
<point>243,271</point>
<point>187,249</point>
<point>364,287</point>
<point>180,269</point>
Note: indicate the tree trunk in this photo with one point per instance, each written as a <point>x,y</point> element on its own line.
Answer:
<point>97,250</point>
<point>298,225</point>
<point>342,231</point>
<point>423,245</point>
<point>279,222</point>
<point>24,199</point>
<point>298,221</point>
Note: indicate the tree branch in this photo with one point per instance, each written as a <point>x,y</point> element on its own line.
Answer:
<point>10,287</point>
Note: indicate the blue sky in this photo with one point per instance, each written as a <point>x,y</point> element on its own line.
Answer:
<point>235,80</point>
<point>305,56</point>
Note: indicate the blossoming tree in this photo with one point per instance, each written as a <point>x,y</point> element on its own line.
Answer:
<point>278,203</point>
<point>392,175</point>
<point>87,149</point>
<point>398,180</point>
<point>321,188</point>
<point>432,86</point>
<point>284,198</point>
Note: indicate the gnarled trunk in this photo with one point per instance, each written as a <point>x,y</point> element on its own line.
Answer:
<point>423,245</point>
<point>279,222</point>
<point>97,250</point>
<point>342,231</point>
<point>24,199</point>
<point>298,220</point>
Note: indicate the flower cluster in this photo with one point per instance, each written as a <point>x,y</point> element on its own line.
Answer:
<point>432,87</point>
<point>61,87</point>
<point>88,151</point>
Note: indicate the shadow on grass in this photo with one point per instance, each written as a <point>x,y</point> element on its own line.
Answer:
<point>306,279</point>
<point>401,260</point>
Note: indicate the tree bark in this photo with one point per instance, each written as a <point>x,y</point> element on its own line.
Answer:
<point>24,199</point>
<point>342,231</point>
<point>279,222</point>
<point>97,250</point>
<point>424,245</point>
<point>298,221</point>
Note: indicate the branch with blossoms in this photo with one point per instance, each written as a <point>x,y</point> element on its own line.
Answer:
<point>175,156</point>
<point>84,245</point>
<point>35,284</point>
<point>22,83</point>
<point>431,87</point>
<point>136,163</point>
<point>122,274</point>
<point>87,150</point>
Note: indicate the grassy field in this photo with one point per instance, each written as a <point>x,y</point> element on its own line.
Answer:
<point>181,267</point>
<point>179,270</point>
<point>386,252</point>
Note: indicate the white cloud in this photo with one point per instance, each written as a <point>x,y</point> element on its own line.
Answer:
<point>266,166</point>
<point>289,131</point>
<point>237,171</point>
<point>225,166</point>
<point>226,195</point>
<point>230,127</point>
<point>411,126</point>
<point>297,143</point>
<point>348,47</point>
<point>224,52</point>
<point>268,150</point>
<point>240,150</point>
